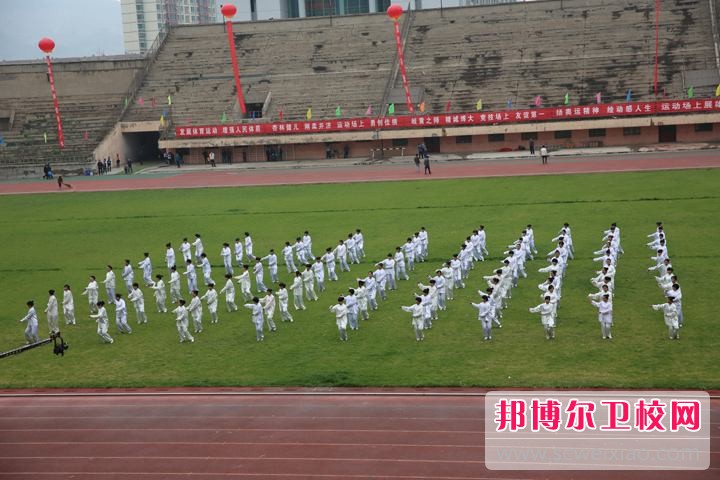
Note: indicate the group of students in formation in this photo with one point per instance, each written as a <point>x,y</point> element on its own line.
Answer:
<point>667,280</point>
<point>604,280</point>
<point>359,300</point>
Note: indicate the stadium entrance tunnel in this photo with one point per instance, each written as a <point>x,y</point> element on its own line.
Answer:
<point>141,146</point>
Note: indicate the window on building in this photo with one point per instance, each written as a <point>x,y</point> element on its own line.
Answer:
<point>529,135</point>
<point>292,8</point>
<point>254,110</point>
<point>560,134</point>
<point>704,127</point>
<point>596,132</point>
<point>496,137</point>
<point>463,139</point>
<point>628,131</point>
<point>400,142</point>
<point>382,5</point>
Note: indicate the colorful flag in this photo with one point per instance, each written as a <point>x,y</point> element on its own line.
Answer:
<point>448,106</point>
<point>338,111</point>
<point>45,136</point>
<point>280,115</point>
<point>152,101</point>
<point>141,102</point>
<point>308,115</point>
<point>691,92</point>
<point>628,97</point>
<point>368,112</point>
<point>567,98</point>
<point>391,109</point>
<point>422,106</point>
<point>223,118</point>
<point>169,99</point>
<point>162,120</point>
<point>598,98</point>
<point>509,103</point>
<point>717,91</point>
<point>538,101</point>
<point>478,105</point>
<point>86,135</point>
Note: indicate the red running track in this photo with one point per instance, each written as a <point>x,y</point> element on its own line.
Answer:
<point>316,173</point>
<point>285,436</point>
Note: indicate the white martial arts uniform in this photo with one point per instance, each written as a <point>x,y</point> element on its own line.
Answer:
<point>211,299</point>
<point>352,311</point>
<point>181,322</point>
<point>341,319</point>
<point>185,248</point>
<point>297,289</point>
<point>308,278</point>
<point>400,270</point>
<point>238,246</point>
<point>229,291</point>
<point>307,242</point>
<point>249,248</point>
<point>271,258</point>
<point>257,319</point>
<point>547,318</point>
<point>417,320</point>
<point>283,300</point>
<point>447,273</point>
<point>244,282</point>
<point>485,316</point>
<point>268,304</point>
<point>92,293</point>
<point>362,300</point>
<point>605,317</point>
<point>31,331</point>
<point>170,257</point>
<point>359,244</point>
<point>128,276</point>
<point>174,283</point>
<point>380,281</point>
<point>146,266</point>
<point>329,259</point>
<point>341,254</point>
<point>409,250</point>
<point>226,255</point>
<point>121,316</point>
<point>207,271</point>
<point>670,316</point>
<point>191,277</point>
<point>389,266</point>
<point>138,300</point>
<point>319,271</point>
<point>110,285</point>
<point>199,249</point>
<point>68,307</point>
<point>160,296</point>
<point>195,310</point>
<point>259,277</point>
<point>288,257</point>
<point>102,322</point>
<point>52,314</point>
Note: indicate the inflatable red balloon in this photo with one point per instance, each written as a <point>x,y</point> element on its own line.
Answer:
<point>46,45</point>
<point>395,11</point>
<point>228,10</point>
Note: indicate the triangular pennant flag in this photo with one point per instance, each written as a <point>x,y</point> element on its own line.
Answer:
<point>478,105</point>
<point>280,115</point>
<point>162,120</point>
<point>223,118</point>
<point>86,135</point>
<point>141,102</point>
<point>717,91</point>
<point>691,92</point>
<point>169,99</point>
<point>45,136</point>
<point>448,106</point>
<point>509,103</point>
<point>628,97</point>
<point>422,107</point>
<point>598,98</point>
<point>126,101</point>
<point>338,111</point>
<point>152,101</point>
<point>391,109</point>
<point>567,98</point>
<point>538,101</point>
<point>368,112</point>
<point>308,115</point>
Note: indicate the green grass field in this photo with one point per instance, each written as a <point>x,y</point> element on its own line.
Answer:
<point>49,240</point>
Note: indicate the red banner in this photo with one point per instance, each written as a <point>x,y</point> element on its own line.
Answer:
<point>452,119</point>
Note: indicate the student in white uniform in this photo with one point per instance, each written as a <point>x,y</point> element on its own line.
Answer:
<point>138,300</point>
<point>146,266</point>
<point>605,315</point>
<point>206,269</point>
<point>268,304</point>
<point>271,259</point>
<point>380,280</point>
<point>92,293</point>
<point>283,301</point>
<point>359,244</point>
<point>238,247</point>
<point>350,245</point>
<point>319,271</point>
<point>417,318</point>
<point>68,306</point>
<point>371,288</point>
<point>409,250</point>
<point>31,331</point>
<point>109,283</point>
<point>128,275</point>
<point>424,242</point>
<point>670,316</point>
<point>483,240</point>
<point>244,281</point>
<point>226,255</point>
<point>196,311</point>
<point>169,255</point>
<point>307,242</point>
<point>362,300</point>
<point>400,270</point>
<point>174,283</point>
<point>352,309</point>
<point>432,292</point>
<point>545,310</point>
<point>676,294</point>
<point>389,266</point>
<point>341,318</point>
<point>199,249</point>
<point>249,247</point>
<point>441,289</point>
<point>329,259</point>
<point>160,295</point>
<point>531,238</point>
<point>121,315</point>
<point>191,275</point>
<point>229,291</point>
<point>484,309</point>
<point>308,278</point>
<point>456,266</point>
<point>211,299</point>
<point>287,252</point>
<point>297,290</point>
<point>447,273</point>
<point>341,254</point>
<point>185,250</point>
<point>52,313</point>
<point>257,318</point>
<point>259,272</point>
<point>427,308</point>
<point>299,248</point>
<point>181,322</point>
<point>101,318</point>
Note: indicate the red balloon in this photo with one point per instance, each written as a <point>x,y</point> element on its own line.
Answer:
<point>395,11</point>
<point>46,45</point>
<point>228,10</point>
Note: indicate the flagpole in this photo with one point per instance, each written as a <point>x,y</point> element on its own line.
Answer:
<point>657,46</point>
<point>47,46</point>
<point>228,10</point>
